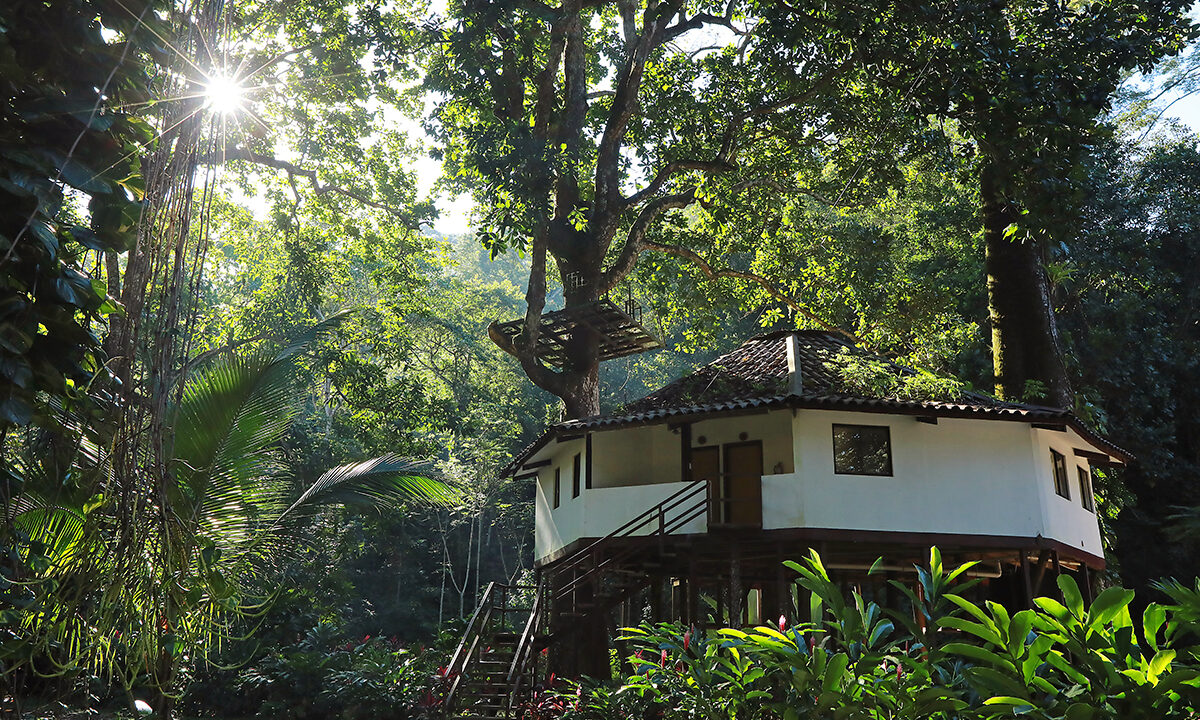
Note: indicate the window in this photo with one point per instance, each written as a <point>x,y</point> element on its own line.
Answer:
<point>1085,490</point>
<point>575,477</point>
<point>862,450</point>
<point>1059,463</point>
<point>557,485</point>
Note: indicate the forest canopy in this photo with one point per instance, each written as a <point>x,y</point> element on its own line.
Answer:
<point>253,405</point>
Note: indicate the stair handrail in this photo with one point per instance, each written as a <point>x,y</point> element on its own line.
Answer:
<point>639,520</point>
<point>684,495</point>
<point>666,528</point>
<point>524,652</point>
<point>472,633</point>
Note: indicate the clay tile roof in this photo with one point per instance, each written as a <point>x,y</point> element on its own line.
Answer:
<point>758,369</point>
<point>755,377</point>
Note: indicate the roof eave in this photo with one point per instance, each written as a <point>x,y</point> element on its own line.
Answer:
<point>732,408</point>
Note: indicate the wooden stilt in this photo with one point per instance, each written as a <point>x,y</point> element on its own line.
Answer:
<point>1028,580</point>
<point>1043,562</point>
<point>1057,572</point>
<point>693,595</point>
<point>1086,586</point>
<point>737,592</point>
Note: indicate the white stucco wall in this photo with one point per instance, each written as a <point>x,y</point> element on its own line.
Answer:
<point>636,456</point>
<point>599,511</point>
<point>1064,519</point>
<point>773,429</point>
<point>959,476</point>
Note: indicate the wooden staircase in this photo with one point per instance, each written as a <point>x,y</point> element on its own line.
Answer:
<point>495,652</point>
<point>498,663</point>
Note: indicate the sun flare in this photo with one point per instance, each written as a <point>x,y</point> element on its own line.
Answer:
<point>224,94</point>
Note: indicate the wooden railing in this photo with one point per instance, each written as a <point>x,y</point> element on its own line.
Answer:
<point>670,515</point>
<point>490,616</point>
<point>523,669</point>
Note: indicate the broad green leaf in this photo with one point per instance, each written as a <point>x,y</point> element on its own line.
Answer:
<point>1108,604</point>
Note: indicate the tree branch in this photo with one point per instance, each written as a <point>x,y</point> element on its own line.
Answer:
<point>608,152</point>
<point>675,166</point>
<point>696,22</point>
<point>634,241</point>
<point>525,348</point>
<point>715,274</point>
<point>294,171</point>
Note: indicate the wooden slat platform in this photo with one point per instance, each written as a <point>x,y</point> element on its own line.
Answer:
<point>620,330</point>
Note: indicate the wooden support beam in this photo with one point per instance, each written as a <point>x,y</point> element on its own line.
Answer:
<point>927,419</point>
<point>1095,458</point>
<point>737,592</point>
<point>1056,427</point>
<point>1057,573</point>
<point>685,452</point>
<point>1043,562</point>
<point>1028,582</point>
<point>587,454</point>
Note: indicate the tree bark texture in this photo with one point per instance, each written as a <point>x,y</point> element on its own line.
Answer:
<point>1025,343</point>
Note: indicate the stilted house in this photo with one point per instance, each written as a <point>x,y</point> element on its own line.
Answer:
<point>684,504</point>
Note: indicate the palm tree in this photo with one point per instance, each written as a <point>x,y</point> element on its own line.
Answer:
<point>132,586</point>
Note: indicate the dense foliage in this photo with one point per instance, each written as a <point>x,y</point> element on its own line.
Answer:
<point>946,656</point>
<point>732,167</point>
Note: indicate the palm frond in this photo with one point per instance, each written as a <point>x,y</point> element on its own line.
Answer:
<point>305,340</point>
<point>379,482</point>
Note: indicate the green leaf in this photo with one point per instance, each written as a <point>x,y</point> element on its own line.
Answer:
<point>16,410</point>
<point>979,630</point>
<point>974,652</point>
<point>1072,598</point>
<point>1079,711</point>
<point>1153,618</point>
<point>1108,604</point>
<point>835,671</point>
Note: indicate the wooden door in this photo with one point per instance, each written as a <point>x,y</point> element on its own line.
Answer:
<point>706,465</point>
<point>743,483</point>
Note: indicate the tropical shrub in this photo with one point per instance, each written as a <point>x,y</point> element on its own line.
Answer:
<point>949,658</point>
<point>325,675</point>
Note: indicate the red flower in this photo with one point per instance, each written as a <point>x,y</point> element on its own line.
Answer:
<point>687,639</point>
<point>662,662</point>
<point>782,623</point>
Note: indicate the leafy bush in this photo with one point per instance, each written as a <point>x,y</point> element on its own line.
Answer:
<point>951,658</point>
<point>324,675</point>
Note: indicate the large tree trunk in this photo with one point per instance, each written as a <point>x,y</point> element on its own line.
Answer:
<point>1025,344</point>
<point>581,396</point>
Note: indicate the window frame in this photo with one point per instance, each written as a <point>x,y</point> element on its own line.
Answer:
<point>577,465</point>
<point>887,431</point>
<point>1058,469</point>
<point>557,487</point>
<point>1087,497</point>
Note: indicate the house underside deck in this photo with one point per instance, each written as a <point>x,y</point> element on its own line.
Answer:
<point>841,547</point>
<point>725,564</point>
